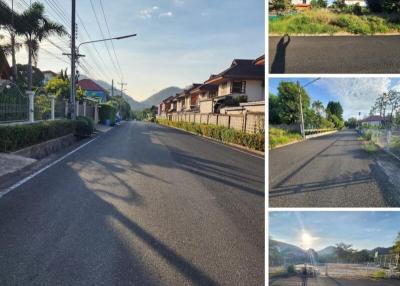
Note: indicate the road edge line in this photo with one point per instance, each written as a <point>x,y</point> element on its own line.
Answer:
<point>30,177</point>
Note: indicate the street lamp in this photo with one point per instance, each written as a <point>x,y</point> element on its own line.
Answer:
<point>75,57</point>
<point>301,105</point>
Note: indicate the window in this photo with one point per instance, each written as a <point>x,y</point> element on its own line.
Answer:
<point>238,87</point>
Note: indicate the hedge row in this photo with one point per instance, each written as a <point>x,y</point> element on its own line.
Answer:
<point>20,136</point>
<point>223,134</point>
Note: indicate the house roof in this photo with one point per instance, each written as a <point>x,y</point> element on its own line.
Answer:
<point>205,87</point>
<point>5,69</point>
<point>240,69</point>
<point>260,61</point>
<point>373,118</point>
<point>50,72</point>
<point>168,99</point>
<point>88,84</point>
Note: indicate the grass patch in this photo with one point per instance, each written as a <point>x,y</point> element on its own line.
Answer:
<point>379,274</point>
<point>323,21</point>
<point>370,147</point>
<point>279,136</point>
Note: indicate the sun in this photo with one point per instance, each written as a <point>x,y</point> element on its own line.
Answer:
<point>306,239</point>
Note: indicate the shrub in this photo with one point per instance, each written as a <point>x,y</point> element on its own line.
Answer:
<point>279,136</point>
<point>379,274</point>
<point>291,269</point>
<point>84,126</point>
<point>20,136</point>
<point>253,141</point>
<point>107,112</point>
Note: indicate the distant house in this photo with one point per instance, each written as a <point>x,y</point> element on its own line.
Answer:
<point>186,101</point>
<point>243,79</point>
<point>48,75</point>
<point>165,105</point>
<point>302,4</point>
<point>374,120</point>
<point>202,96</point>
<point>93,90</point>
<point>362,3</point>
<point>5,69</point>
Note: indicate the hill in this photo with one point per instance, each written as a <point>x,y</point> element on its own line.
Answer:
<point>156,98</point>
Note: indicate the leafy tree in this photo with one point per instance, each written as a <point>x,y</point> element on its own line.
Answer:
<point>59,87</point>
<point>375,5</point>
<point>319,3</point>
<point>274,109</point>
<point>339,124</point>
<point>340,4</point>
<point>37,78</point>
<point>318,107</point>
<point>344,251</point>
<point>280,5</point>
<point>289,93</point>
<point>351,122</point>
<point>396,247</point>
<point>34,26</point>
<point>335,108</point>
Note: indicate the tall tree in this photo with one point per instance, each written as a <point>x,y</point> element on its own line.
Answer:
<point>318,107</point>
<point>335,108</point>
<point>35,27</point>
<point>289,98</point>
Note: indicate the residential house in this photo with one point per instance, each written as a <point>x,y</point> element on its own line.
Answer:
<point>362,3</point>
<point>243,81</point>
<point>302,4</point>
<point>186,101</point>
<point>180,101</point>
<point>202,96</point>
<point>48,75</point>
<point>93,90</point>
<point>5,69</point>
<point>374,120</point>
<point>165,105</point>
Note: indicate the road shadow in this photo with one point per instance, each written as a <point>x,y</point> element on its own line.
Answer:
<point>279,63</point>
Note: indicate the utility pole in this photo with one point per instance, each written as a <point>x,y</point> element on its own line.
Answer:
<point>122,86</point>
<point>112,88</point>
<point>72,95</point>
<point>301,112</point>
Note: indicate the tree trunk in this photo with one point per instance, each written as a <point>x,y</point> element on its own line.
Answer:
<point>29,66</point>
<point>14,62</point>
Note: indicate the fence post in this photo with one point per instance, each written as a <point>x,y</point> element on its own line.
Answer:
<point>84,108</point>
<point>77,109</point>
<point>66,108</point>
<point>229,121</point>
<point>244,122</point>
<point>96,113</point>
<point>53,106</point>
<point>31,96</point>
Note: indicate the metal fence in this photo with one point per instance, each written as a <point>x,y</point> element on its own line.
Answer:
<point>14,105</point>
<point>387,138</point>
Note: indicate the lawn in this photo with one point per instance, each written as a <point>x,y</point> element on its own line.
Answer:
<point>325,21</point>
<point>279,137</point>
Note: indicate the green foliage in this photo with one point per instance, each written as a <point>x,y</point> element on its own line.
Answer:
<point>107,112</point>
<point>274,109</point>
<point>20,136</point>
<point>280,5</point>
<point>375,5</point>
<point>379,274</point>
<point>335,108</point>
<point>84,126</point>
<point>289,93</point>
<point>37,76</point>
<point>396,247</point>
<point>279,136</point>
<point>337,122</point>
<point>147,114</point>
<point>123,107</point>
<point>319,4</point>
<point>58,86</point>
<point>319,21</point>
<point>228,135</point>
<point>351,123</point>
<point>291,269</point>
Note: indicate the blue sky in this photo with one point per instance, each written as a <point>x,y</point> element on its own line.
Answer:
<point>355,94</point>
<point>179,41</point>
<point>364,230</point>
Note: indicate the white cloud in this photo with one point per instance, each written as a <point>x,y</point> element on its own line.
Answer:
<point>179,2</point>
<point>148,12</point>
<point>166,14</point>
<point>356,94</point>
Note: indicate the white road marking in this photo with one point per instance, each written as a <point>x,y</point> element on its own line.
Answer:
<point>30,177</point>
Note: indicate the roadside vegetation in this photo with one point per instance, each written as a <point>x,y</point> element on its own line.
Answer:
<point>380,16</point>
<point>285,115</point>
<point>223,134</point>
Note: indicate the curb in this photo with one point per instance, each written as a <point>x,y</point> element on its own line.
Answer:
<point>215,140</point>
<point>301,140</point>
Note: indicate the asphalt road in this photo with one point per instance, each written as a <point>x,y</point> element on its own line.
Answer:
<point>334,54</point>
<point>140,205</point>
<point>332,171</point>
<point>330,281</point>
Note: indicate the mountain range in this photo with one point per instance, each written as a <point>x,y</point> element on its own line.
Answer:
<point>154,99</point>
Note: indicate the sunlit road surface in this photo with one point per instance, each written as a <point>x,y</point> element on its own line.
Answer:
<point>140,205</point>
<point>330,281</point>
<point>334,54</point>
<point>332,171</point>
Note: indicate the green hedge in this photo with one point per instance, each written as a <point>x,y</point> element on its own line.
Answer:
<point>228,135</point>
<point>107,112</point>
<point>84,126</point>
<point>20,136</point>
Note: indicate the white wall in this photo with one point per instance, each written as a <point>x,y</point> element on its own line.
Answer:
<point>224,90</point>
<point>294,2</point>
<point>354,2</point>
<point>206,106</point>
<point>255,90</point>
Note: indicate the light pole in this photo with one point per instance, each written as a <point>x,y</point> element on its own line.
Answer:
<point>302,130</point>
<point>74,58</point>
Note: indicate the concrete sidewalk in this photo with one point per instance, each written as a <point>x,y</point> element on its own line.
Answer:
<point>10,163</point>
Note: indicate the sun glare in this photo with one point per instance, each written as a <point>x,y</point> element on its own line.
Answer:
<point>306,239</point>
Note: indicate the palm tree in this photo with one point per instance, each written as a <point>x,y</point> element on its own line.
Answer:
<point>318,106</point>
<point>36,27</point>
